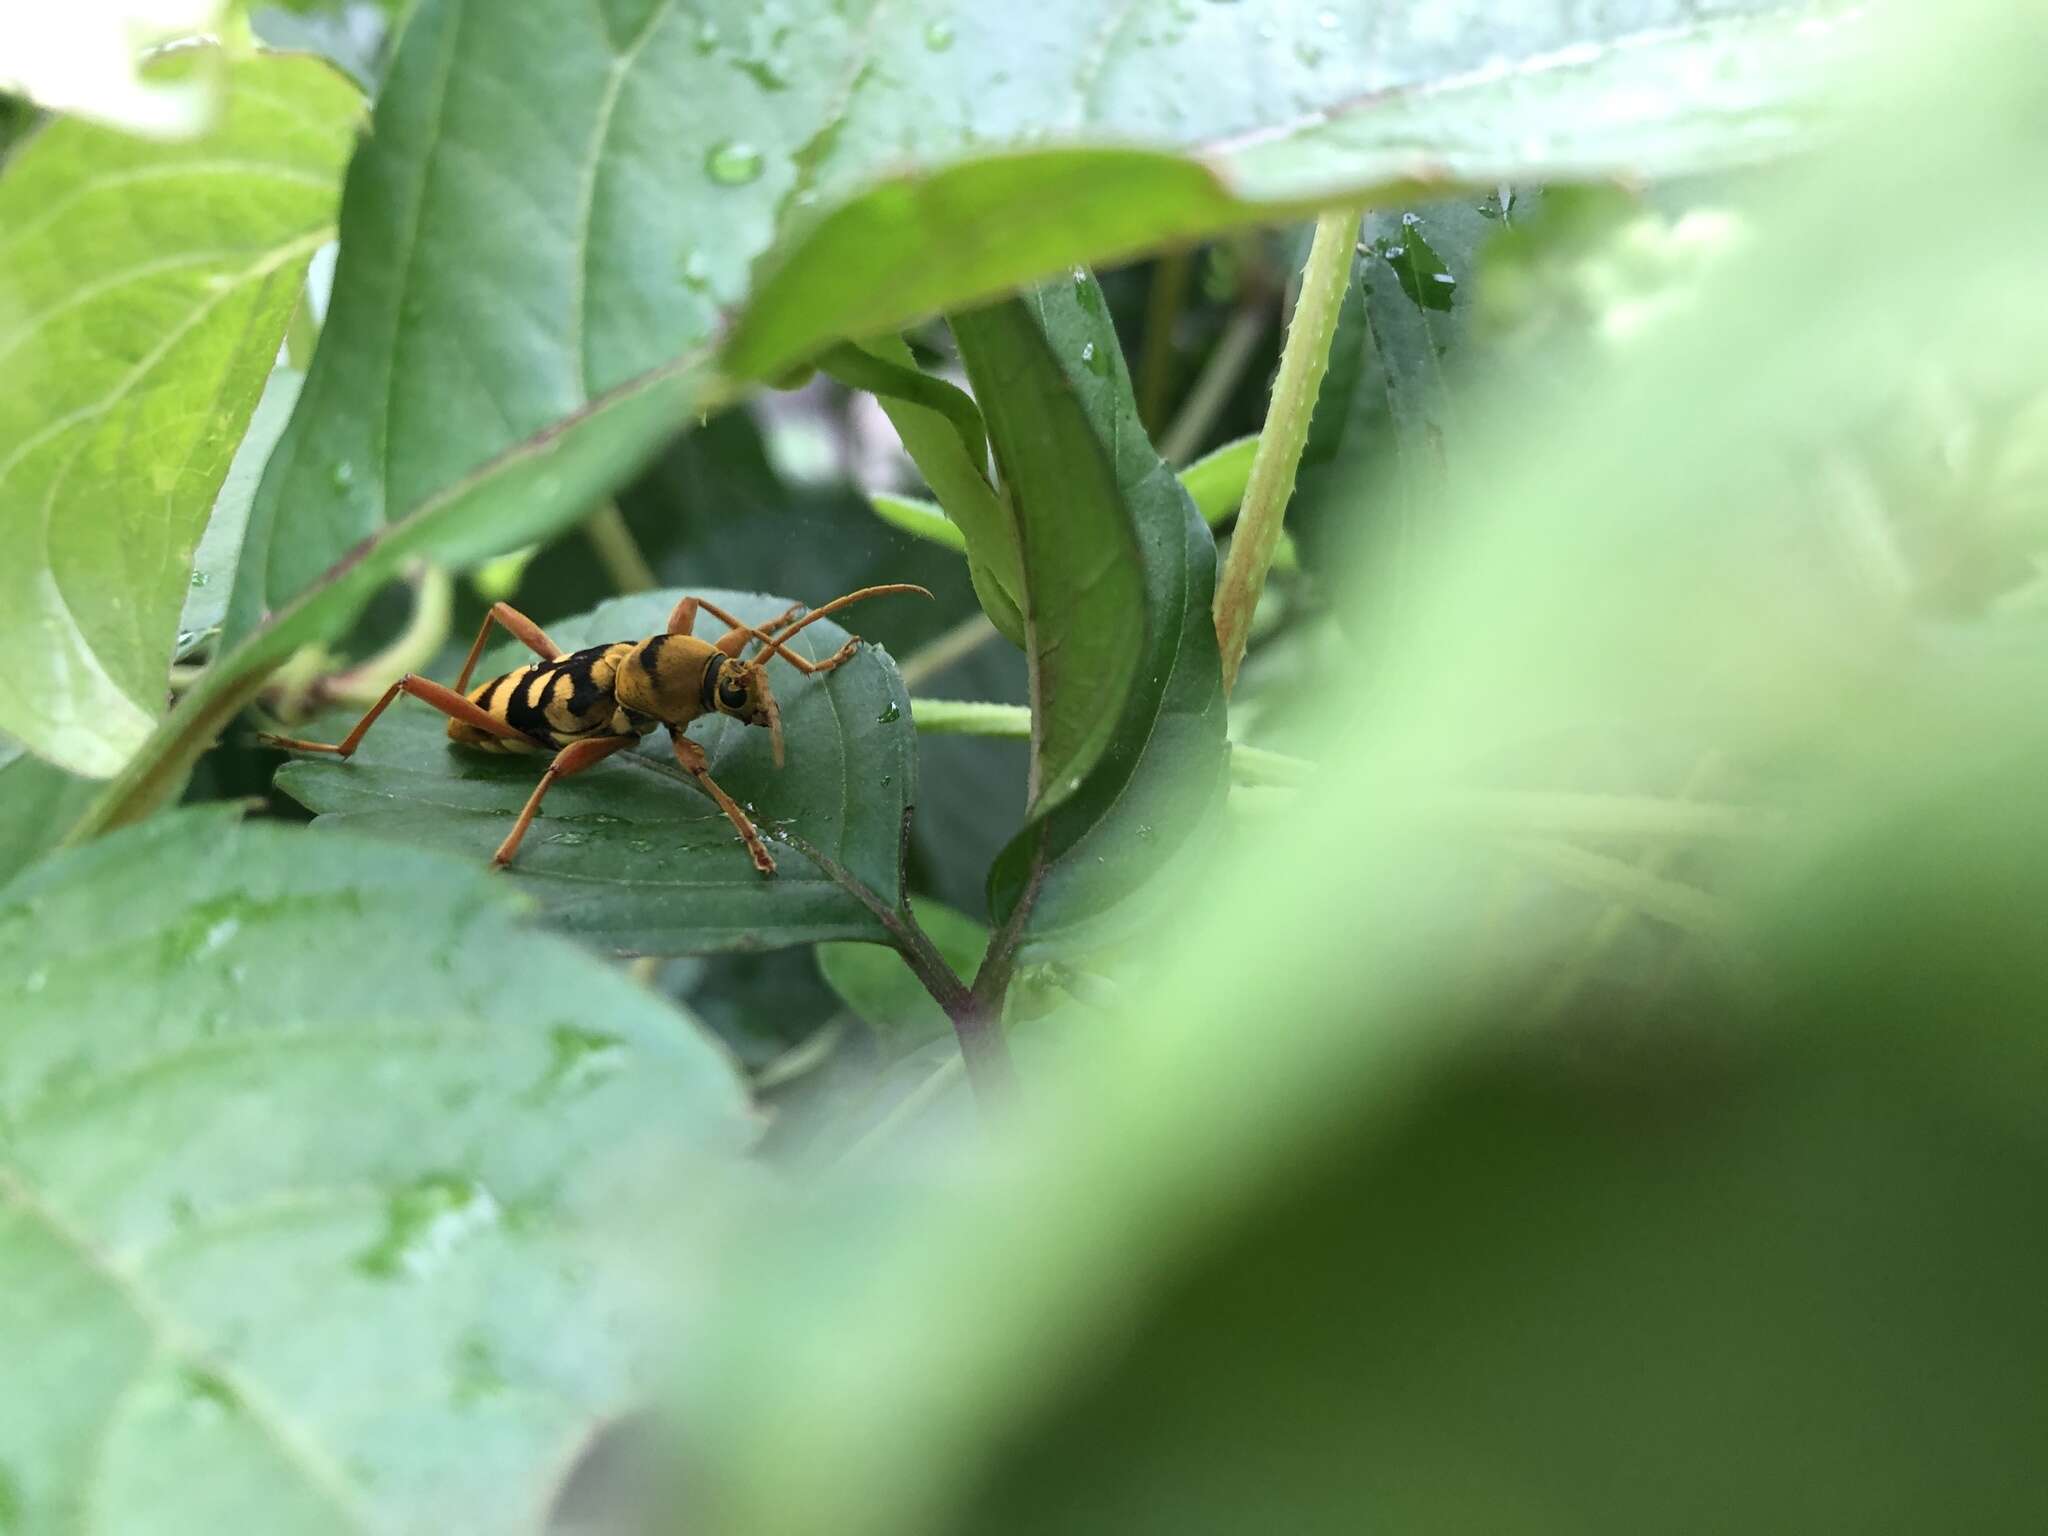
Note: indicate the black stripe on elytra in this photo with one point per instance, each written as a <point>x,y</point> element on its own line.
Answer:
<point>585,696</point>
<point>526,707</point>
<point>711,670</point>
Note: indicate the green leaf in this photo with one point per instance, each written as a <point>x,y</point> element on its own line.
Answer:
<point>879,987</point>
<point>1391,404</point>
<point>144,288</point>
<point>333,1234</point>
<point>920,518</point>
<point>947,440</point>
<point>530,490</point>
<point>1127,700</point>
<point>220,546</point>
<point>666,154</point>
<point>631,856</point>
<point>38,801</point>
<point>1215,482</point>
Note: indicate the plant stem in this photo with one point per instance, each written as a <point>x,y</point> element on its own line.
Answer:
<point>1303,361</point>
<point>618,551</point>
<point>975,717</point>
<point>1219,376</point>
<point>956,644</point>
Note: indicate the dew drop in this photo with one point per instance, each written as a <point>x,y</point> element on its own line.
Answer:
<point>344,475</point>
<point>1097,359</point>
<point>939,36</point>
<point>201,578</point>
<point>706,39</point>
<point>207,1398</point>
<point>733,162</point>
<point>424,1223</point>
<point>37,980</point>
<point>568,836</point>
<point>696,270</point>
<point>578,1058</point>
<point>891,713</point>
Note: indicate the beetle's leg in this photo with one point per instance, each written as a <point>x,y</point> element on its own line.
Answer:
<point>528,633</point>
<point>682,619</point>
<point>571,760</point>
<point>691,758</point>
<point>446,700</point>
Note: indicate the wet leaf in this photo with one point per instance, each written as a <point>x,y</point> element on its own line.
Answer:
<point>333,1233</point>
<point>144,288</point>
<point>667,155</point>
<point>631,856</point>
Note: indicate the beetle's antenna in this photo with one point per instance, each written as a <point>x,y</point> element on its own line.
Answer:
<point>775,640</point>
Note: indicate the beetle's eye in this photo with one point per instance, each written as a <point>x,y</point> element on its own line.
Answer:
<point>731,694</point>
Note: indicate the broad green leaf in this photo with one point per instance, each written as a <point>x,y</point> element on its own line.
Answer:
<point>38,801</point>
<point>631,856</point>
<point>316,1173</point>
<point>665,154</point>
<point>876,984</point>
<point>1127,699</point>
<point>143,290</point>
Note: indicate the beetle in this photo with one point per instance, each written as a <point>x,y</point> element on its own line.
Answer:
<point>585,705</point>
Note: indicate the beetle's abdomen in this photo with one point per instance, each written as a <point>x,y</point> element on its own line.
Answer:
<point>553,703</point>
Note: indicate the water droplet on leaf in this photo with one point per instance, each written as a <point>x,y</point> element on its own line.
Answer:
<point>201,578</point>
<point>425,1222</point>
<point>939,36</point>
<point>733,162</point>
<point>890,714</point>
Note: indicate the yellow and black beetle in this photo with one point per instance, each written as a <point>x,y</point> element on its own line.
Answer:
<point>587,704</point>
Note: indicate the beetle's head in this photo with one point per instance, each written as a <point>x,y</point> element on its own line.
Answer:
<point>740,689</point>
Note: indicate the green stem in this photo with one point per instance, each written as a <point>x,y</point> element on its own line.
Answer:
<point>974,717</point>
<point>1303,361</point>
<point>618,551</point>
<point>956,644</point>
<point>1213,385</point>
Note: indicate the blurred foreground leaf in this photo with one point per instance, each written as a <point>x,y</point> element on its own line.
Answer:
<point>305,1235</point>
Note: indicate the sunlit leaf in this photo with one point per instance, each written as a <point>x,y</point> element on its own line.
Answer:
<point>144,288</point>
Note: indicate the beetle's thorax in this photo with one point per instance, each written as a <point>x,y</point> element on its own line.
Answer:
<point>668,677</point>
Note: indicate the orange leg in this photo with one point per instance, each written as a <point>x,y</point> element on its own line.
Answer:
<point>571,760</point>
<point>446,700</point>
<point>528,633</point>
<point>684,619</point>
<point>691,758</point>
